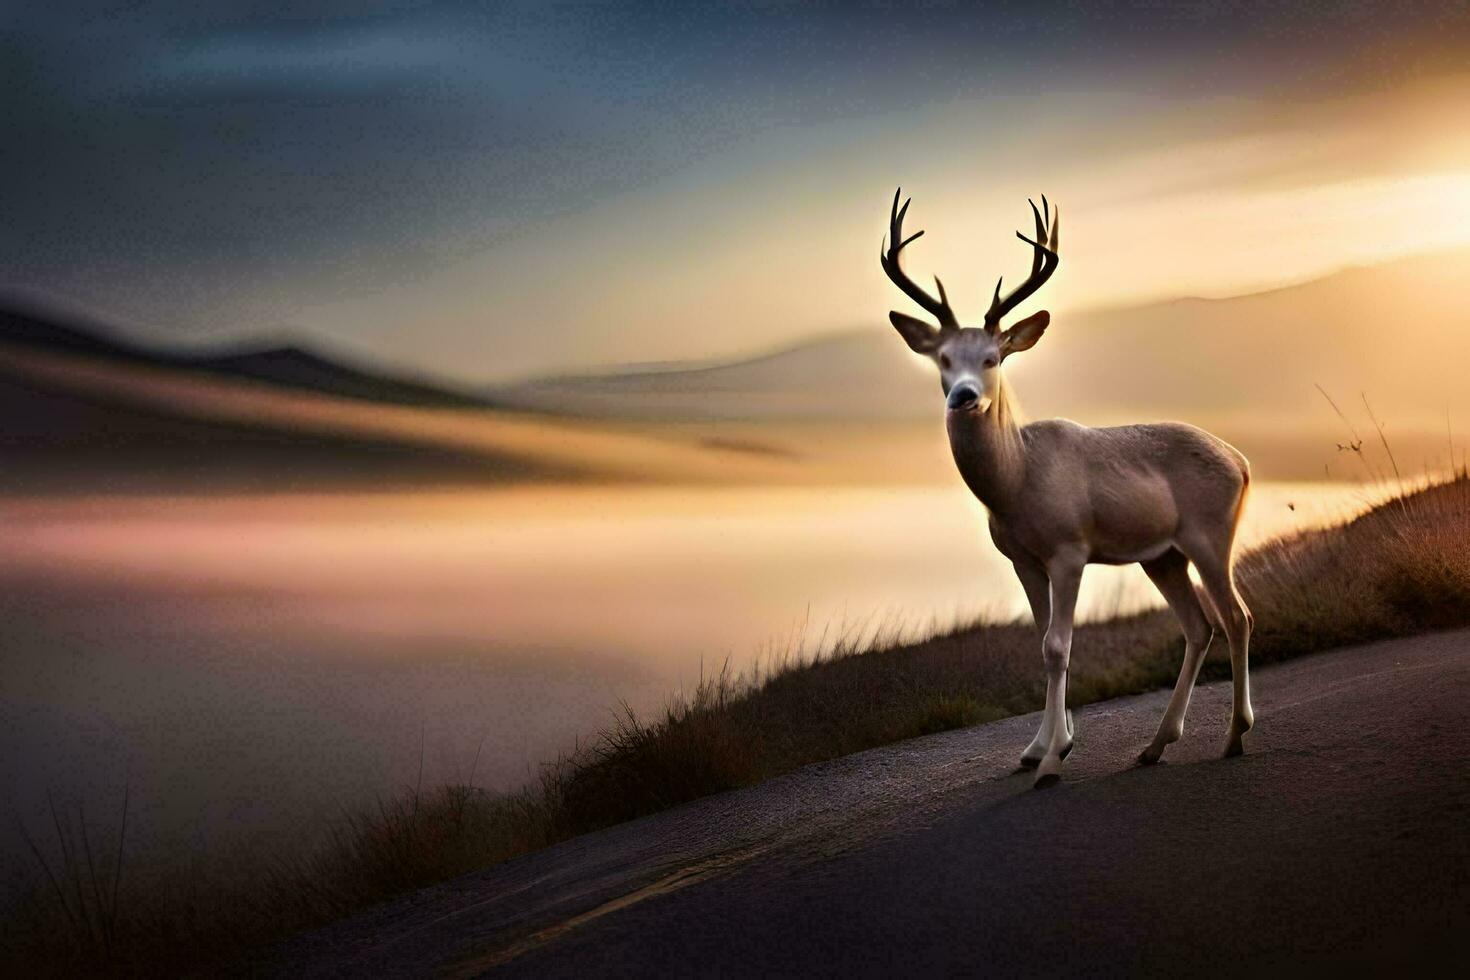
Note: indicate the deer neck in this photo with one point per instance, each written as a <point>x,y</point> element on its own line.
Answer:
<point>989,452</point>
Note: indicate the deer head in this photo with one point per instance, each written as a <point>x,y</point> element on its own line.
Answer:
<point>969,358</point>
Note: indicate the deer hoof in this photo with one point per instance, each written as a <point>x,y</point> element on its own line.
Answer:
<point>1150,755</point>
<point>1049,773</point>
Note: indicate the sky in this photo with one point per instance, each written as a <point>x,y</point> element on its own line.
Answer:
<point>487,191</point>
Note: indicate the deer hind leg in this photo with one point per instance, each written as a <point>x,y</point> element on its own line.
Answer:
<point>1056,651</point>
<point>1170,574</point>
<point>1218,578</point>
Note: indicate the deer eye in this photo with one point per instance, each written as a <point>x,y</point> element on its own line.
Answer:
<point>991,362</point>
<point>944,362</point>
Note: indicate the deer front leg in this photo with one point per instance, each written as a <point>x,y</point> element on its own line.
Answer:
<point>1034,753</point>
<point>1056,650</point>
<point>1033,579</point>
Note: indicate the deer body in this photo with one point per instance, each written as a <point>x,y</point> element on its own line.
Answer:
<point>1117,495</point>
<point>1062,496</point>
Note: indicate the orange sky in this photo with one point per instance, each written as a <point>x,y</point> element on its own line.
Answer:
<point>487,191</point>
<point>779,241</point>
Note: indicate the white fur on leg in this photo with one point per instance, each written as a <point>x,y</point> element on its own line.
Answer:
<point>1056,649</point>
<point>1171,726</point>
<point>1031,758</point>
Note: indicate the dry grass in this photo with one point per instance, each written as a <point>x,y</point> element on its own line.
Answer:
<point>1402,568</point>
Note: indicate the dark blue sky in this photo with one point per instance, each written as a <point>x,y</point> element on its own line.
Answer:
<point>205,167</point>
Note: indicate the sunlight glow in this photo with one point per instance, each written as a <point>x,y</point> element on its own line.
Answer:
<point>777,242</point>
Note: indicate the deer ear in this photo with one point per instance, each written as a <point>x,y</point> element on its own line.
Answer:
<point>920,336</point>
<point>1024,335</point>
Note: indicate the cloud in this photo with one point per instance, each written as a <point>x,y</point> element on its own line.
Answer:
<point>213,165</point>
<point>337,62</point>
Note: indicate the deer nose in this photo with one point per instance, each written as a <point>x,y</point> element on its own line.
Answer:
<point>963,395</point>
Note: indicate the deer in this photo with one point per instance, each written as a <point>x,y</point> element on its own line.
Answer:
<point>1061,496</point>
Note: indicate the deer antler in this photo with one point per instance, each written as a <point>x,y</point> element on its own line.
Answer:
<point>889,258</point>
<point>1043,264</point>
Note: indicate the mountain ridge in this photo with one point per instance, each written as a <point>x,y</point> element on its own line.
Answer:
<point>290,364</point>
<point>1394,329</point>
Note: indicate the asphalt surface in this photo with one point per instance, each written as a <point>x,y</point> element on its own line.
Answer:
<point>1340,841</point>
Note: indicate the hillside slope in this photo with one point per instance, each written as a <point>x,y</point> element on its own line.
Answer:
<point>932,857</point>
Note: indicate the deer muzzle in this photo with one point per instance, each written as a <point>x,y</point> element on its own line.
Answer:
<point>963,397</point>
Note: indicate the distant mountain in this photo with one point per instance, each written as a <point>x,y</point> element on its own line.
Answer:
<point>68,439</point>
<point>82,405</point>
<point>87,411</point>
<point>868,374</point>
<point>297,367</point>
<point>1399,332</point>
<point>37,329</point>
<point>285,366</point>
<point>80,413</point>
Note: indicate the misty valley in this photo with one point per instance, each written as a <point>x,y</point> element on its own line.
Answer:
<point>252,666</point>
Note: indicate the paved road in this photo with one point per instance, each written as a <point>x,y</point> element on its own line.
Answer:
<point>1341,839</point>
